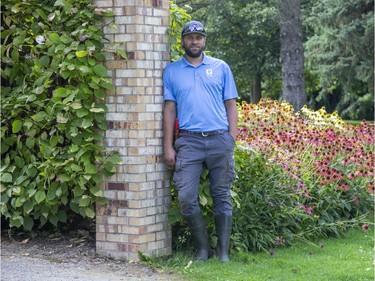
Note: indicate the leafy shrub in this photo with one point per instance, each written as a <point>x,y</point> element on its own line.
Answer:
<point>327,167</point>
<point>178,17</point>
<point>53,87</point>
<point>268,212</point>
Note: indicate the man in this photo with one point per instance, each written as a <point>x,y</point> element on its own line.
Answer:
<point>200,92</point>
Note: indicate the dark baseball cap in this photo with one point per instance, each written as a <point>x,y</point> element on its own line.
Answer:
<point>193,27</point>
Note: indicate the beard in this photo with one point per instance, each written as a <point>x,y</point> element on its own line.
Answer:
<point>194,53</point>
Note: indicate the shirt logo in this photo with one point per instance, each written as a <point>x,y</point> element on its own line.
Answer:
<point>209,72</point>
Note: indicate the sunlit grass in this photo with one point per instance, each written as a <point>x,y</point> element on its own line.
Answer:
<point>346,258</point>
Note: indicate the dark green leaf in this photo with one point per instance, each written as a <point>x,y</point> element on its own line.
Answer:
<point>39,116</point>
<point>28,223</point>
<point>54,37</point>
<point>100,70</point>
<point>64,178</point>
<point>6,177</point>
<point>16,126</point>
<point>115,159</point>
<point>91,169</point>
<point>40,196</point>
<point>90,213</point>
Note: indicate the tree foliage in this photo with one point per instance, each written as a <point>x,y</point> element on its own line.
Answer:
<point>340,53</point>
<point>246,35</point>
<point>52,113</point>
<point>338,49</point>
<point>178,17</point>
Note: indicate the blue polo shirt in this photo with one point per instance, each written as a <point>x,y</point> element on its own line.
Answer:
<point>199,93</point>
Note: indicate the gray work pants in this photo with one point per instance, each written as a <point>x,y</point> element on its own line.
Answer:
<point>215,153</point>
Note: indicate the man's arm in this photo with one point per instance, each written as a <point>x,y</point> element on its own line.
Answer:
<point>169,119</point>
<point>232,114</point>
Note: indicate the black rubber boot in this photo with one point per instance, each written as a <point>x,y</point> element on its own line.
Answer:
<point>198,229</point>
<point>223,231</point>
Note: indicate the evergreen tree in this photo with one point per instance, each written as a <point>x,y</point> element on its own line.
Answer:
<point>340,54</point>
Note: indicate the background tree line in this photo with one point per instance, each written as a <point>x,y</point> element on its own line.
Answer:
<point>337,57</point>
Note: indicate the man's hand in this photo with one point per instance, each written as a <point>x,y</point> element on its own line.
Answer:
<point>170,156</point>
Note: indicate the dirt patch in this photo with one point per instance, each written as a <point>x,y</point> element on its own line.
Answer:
<point>68,258</point>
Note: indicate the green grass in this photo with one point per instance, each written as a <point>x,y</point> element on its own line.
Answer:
<point>346,258</point>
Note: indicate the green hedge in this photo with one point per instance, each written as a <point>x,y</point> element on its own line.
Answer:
<point>52,112</point>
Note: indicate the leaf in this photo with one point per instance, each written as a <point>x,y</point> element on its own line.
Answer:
<point>16,126</point>
<point>97,110</point>
<point>110,169</point>
<point>61,119</point>
<point>81,54</point>
<point>82,112</point>
<point>54,37</point>
<point>64,178</point>
<point>76,105</point>
<point>15,55</point>
<point>84,202</point>
<point>122,53</point>
<point>62,216</point>
<point>78,191</point>
<point>28,223</point>
<point>115,159</point>
<point>38,90</point>
<point>86,123</point>
<point>30,142</point>
<point>16,221</point>
<point>31,98</point>
<point>17,7</point>
<point>107,85</point>
<point>96,191</point>
<point>84,69</point>
<point>66,40</point>
<point>100,70</point>
<point>40,196</point>
<point>53,141</point>
<point>53,219</point>
<point>20,179</point>
<point>102,201</point>
<point>51,16</point>
<point>60,93</point>
<point>91,61</point>
<point>99,93</point>
<point>75,167</point>
<point>6,177</point>
<point>39,116</point>
<point>91,169</point>
<point>203,200</point>
<point>31,171</point>
<point>90,213</point>
<point>25,241</point>
<point>59,3</point>
<point>74,148</point>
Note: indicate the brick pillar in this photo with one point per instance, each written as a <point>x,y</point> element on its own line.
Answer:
<point>139,194</point>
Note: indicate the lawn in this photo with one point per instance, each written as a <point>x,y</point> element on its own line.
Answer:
<point>346,258</point>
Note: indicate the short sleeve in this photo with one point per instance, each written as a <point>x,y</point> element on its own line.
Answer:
<point>230,90</point>
<point>167,85</point>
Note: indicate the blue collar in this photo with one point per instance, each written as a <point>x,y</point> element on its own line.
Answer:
<point>205,60</point>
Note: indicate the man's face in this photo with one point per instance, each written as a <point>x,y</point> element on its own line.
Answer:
<point>194,44</point>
